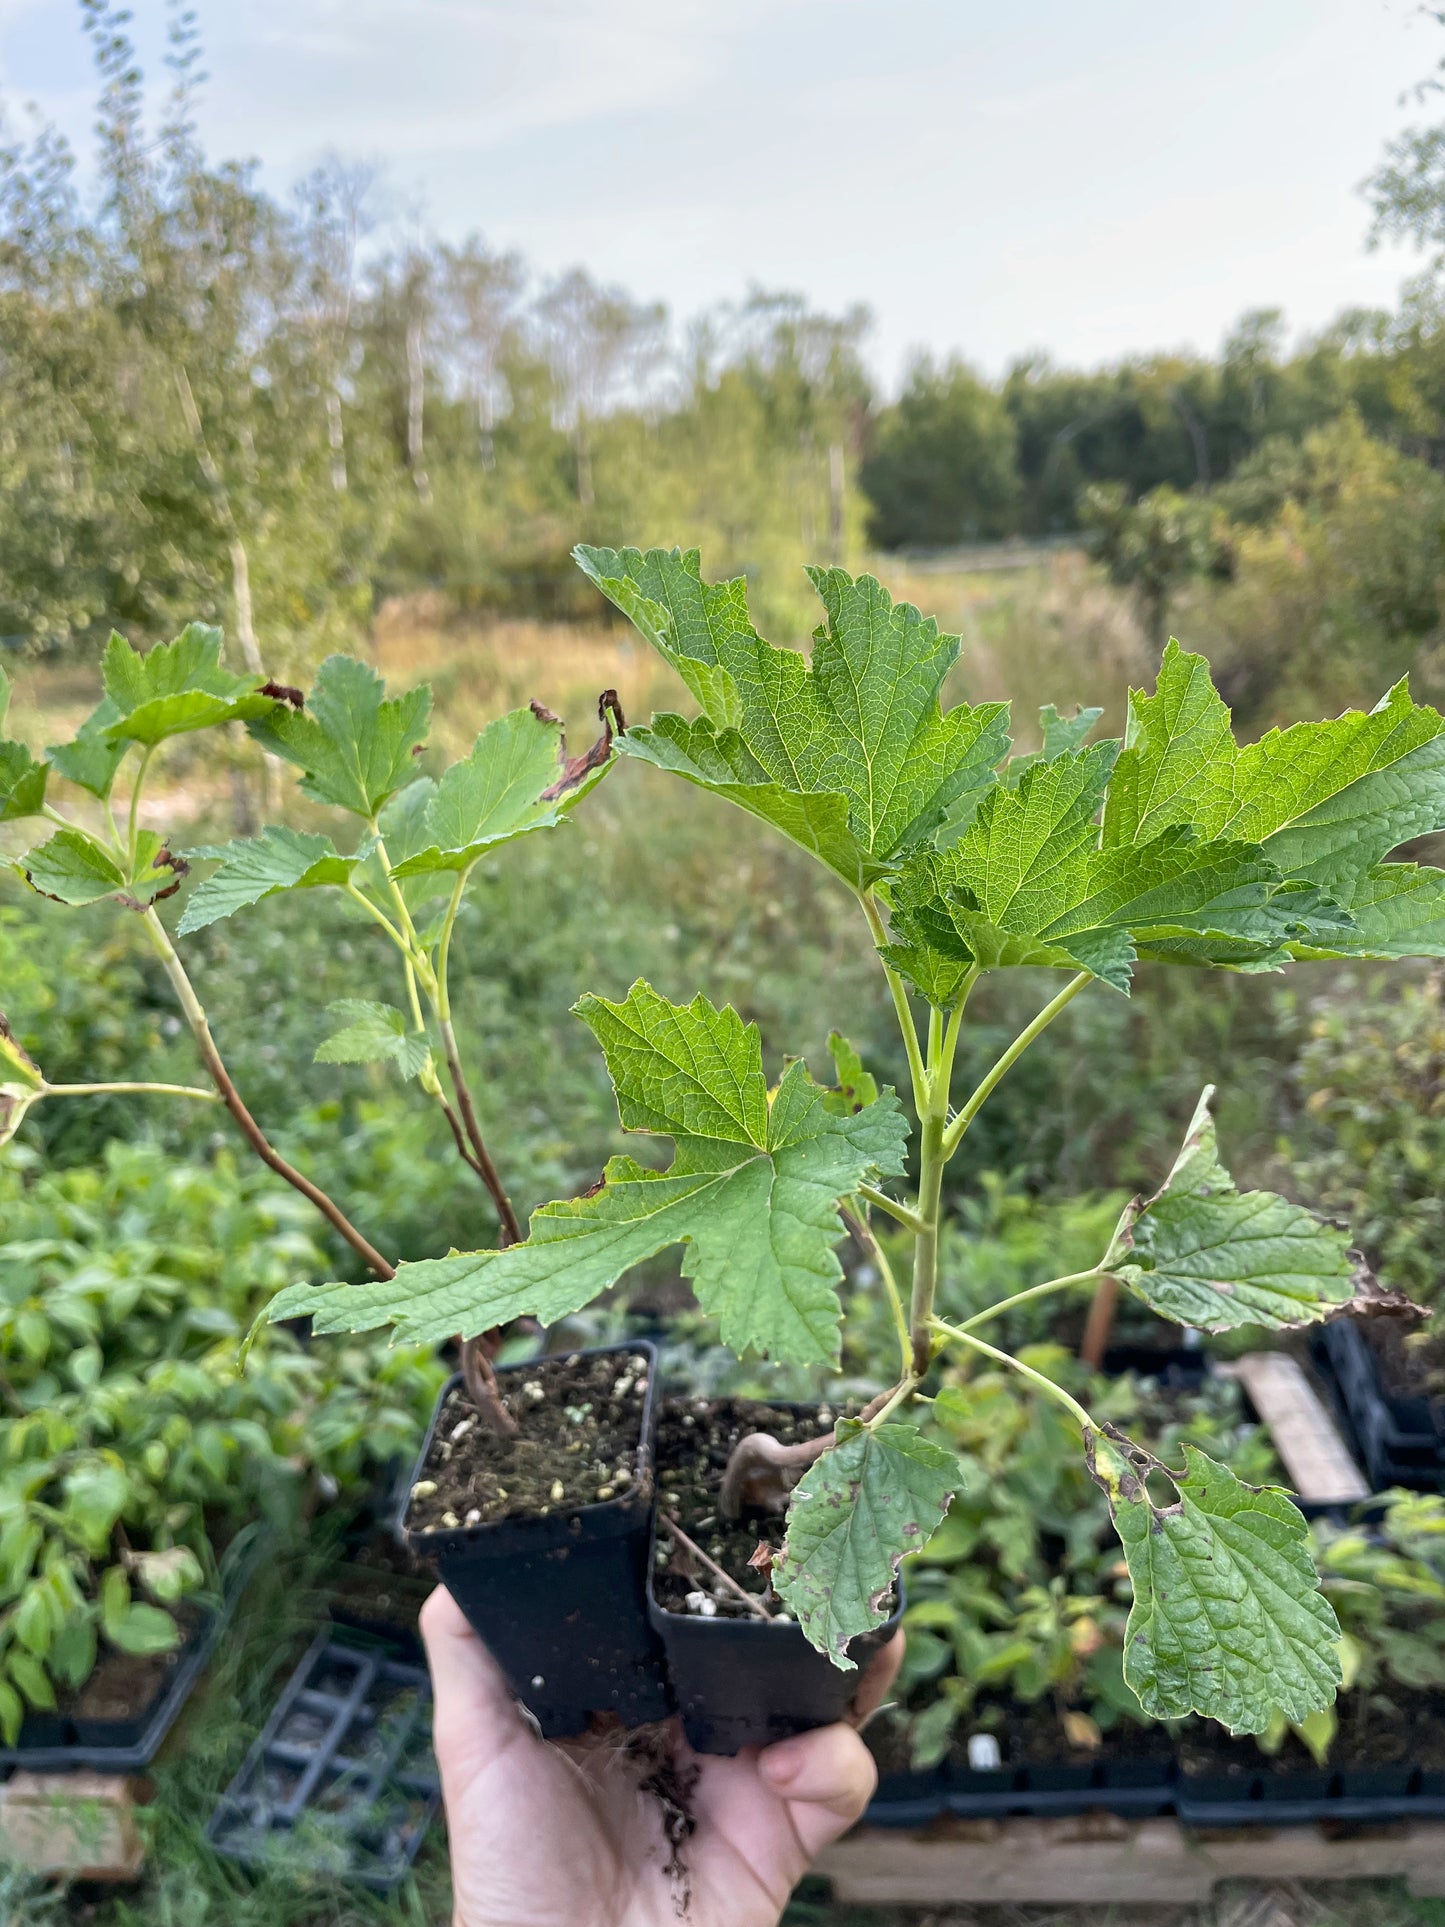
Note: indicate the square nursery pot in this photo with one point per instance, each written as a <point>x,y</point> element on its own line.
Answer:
<point>561,1600</point>
<point>749,1682</point>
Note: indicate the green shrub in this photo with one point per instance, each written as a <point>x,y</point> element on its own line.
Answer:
<point>134,1443</point>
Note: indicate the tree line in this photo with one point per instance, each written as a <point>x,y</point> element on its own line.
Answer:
<point>271,410</point>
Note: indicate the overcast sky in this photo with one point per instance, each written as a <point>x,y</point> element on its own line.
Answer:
<point>1090,179</point>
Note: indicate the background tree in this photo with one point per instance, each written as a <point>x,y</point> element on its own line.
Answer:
<point>943,465</point>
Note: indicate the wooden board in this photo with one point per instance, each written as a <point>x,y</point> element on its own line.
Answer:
<point>1320,1464</point>
<point>1099,1858</point>
<point>82,1824</point>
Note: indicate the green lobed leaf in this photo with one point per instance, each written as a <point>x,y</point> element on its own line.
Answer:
<point>20,1082</point>
<point>22,779</point>
<point>22,783</point>
<point>753,1193</point>
<point>355,746</point>
<point>876,1495</point>
<point>516,779</point>
<point>176,687</point>
<point>1326,801</point>
<point>92,756</point>
<point>1027,884</point>
<point>253,868</point>
<point>73,869</point>
<point>374,1034</point>
<point>1204,1254</point>
<point>1228,1619</point>
<point>1395,910</point>
<point>1062,736</point>
<point>857,1087</point>
<point>850,755</point>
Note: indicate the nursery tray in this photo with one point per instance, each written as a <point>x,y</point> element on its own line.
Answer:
<point>1182,1368</point>
<point>1126,1786</point>
<point>1265,1799</point>
<point>51,1742</point>
<point>1139,1788</point>
<point>1399,1439</point>
<point>341,1781</point>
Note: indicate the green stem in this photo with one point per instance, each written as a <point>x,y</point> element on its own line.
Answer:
<point>412,945</point>
<point>54,815</point>
<point>903,1390</point>
<point>954,1136</point>
<point>925,1243</point>
<point>908,1218</point>
<point>1036,1379</point>
<point>377,915</point>
<point>899,993</point>
<point>1023,1297</point>
<point>418,1022</point>
<point>127,1089</point>
<point>133,817</point>
<point>890,1285</point>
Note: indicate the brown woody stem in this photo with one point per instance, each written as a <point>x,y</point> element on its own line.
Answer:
<point>506,1216</point>
<point>231,1098</point>
<point>760,1473</point>
<point>750,1600</point>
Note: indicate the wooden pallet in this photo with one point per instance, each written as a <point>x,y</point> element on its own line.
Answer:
<point>1099,1858</point>
<point>82,1824</point>
<point>1320,1464</point>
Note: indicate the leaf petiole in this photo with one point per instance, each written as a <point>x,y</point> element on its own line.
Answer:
<point>953,1136</point>
<point>903,1390</point>
<point>126,1089</point>
<point>133,815</point>
<point>1034,1291</point>
<point>1036,1379</point>
<point>904,1214</point>
<point>916,1068</point>
<point>890,1285</point>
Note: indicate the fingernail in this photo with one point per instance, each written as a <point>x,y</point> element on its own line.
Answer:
<point>782,1763</point>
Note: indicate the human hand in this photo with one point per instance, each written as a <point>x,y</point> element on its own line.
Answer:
<point>561,1835</point>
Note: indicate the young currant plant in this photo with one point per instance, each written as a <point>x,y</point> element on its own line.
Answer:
<point>1175,846</point>
<point>417,843</point>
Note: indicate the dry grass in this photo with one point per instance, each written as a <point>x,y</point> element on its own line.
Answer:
<point>478,669</point>
<point>1052,631</point>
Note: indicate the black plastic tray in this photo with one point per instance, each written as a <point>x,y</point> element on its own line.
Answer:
<point>341,1781</point>
<point>1142,1787</point>
<point>1177,1367</point>
<point>1126,1785</point>
<point>51,1742</point>
<point>1304,1799</point>
<point>1400,1441</point>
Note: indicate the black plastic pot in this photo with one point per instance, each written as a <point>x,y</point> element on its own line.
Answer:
<point>748,1682</point>
<point>53,1741</point>
<point>341,1780</point>
<point>1127,1785</point>
<point>561,1602</point>
<point>1400,1440</point>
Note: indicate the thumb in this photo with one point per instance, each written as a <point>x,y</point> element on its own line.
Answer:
<point>826,1777</point>
<point>474,1715</point>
